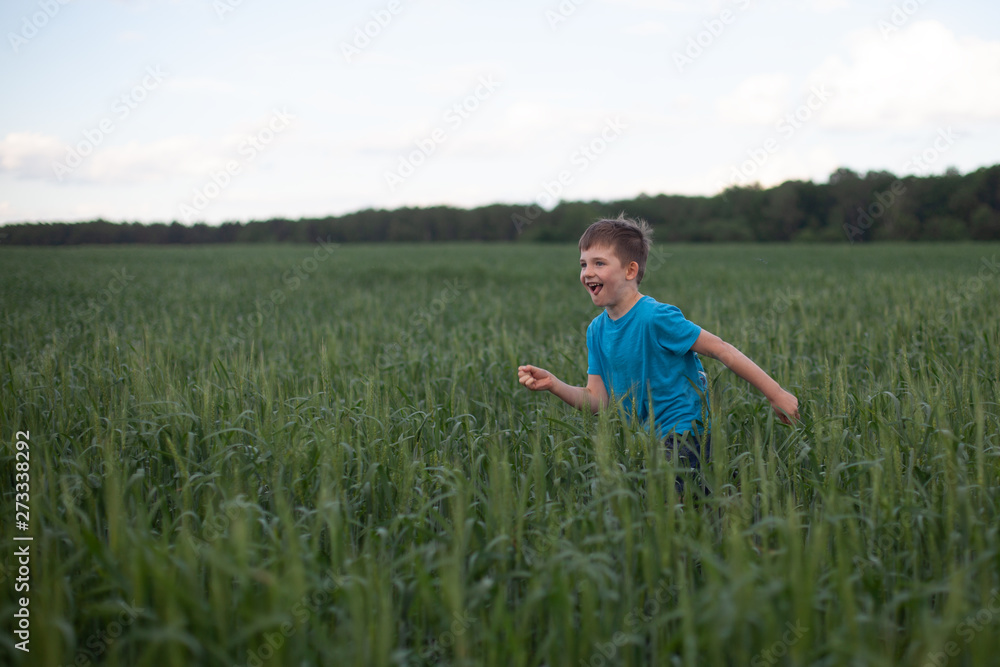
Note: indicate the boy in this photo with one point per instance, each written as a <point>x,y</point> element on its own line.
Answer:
<point>639,346</point>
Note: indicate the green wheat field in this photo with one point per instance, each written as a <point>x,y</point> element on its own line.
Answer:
<point>296,455</point>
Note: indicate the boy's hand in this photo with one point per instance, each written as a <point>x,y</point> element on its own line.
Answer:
<point>534,378</point>
<point>786,405</point>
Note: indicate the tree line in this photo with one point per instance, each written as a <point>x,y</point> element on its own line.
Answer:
<point>850,207</point>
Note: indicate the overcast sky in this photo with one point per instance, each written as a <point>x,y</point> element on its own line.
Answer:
<point>214,110</point>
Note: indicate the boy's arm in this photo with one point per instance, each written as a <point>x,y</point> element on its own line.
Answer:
<point>783,402</point>
<point>594,396</point>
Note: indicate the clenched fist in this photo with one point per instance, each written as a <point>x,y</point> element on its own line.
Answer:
<point>534,378</point>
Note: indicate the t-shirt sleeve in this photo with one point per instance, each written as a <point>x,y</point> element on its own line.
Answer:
<point>672,331</point>
<point>593,360</point>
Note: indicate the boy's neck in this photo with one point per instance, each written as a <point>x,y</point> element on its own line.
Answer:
<point>620,309</point>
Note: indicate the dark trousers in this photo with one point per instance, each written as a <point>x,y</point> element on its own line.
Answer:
<point>688,452</point>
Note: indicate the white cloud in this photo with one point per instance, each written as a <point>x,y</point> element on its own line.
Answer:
<point>29,154</point>
<point>759,100</point>
<point>785,165</point>
<point>160,160</point>
<point>913,76</point>
<point>36,156</point>
<point>814,164</point>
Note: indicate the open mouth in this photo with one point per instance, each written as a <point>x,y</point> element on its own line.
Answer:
<point>595,288</point>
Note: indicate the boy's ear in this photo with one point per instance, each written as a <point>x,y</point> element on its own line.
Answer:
<point>632,270</point>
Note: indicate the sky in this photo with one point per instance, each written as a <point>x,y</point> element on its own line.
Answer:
<point>233,110</point>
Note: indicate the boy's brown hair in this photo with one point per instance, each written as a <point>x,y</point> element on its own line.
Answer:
<point>629,239</point>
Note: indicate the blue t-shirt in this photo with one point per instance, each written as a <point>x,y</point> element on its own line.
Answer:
<point>649,347</point>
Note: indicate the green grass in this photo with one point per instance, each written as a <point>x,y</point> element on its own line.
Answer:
<point>356,478</point>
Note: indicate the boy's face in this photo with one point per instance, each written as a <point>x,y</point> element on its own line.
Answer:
<point>608,281</point>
